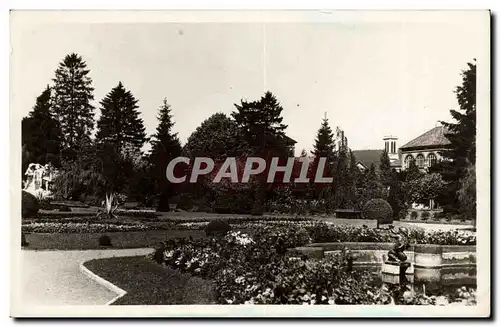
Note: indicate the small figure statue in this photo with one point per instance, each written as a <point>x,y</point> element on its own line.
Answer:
<point>397,253</point>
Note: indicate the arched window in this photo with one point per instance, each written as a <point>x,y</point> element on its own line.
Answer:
<point>431,159</point>
<point>420,161</point>
<point>408,160</point>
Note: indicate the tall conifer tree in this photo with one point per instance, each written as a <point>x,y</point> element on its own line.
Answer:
<point>120,124</point>
<point>72,97</point>
<point>41,133</point>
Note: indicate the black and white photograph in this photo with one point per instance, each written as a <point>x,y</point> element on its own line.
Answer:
<point>250,163</point>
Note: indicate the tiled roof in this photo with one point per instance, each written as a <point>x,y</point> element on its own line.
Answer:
<point>430,139</point>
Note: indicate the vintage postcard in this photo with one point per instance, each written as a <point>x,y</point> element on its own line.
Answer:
<point>313,163</point>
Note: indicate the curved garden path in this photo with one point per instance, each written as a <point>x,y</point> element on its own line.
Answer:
<point>54,277</point>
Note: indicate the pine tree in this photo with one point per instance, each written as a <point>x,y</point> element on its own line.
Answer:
<point>120,124</point>
<point>73,93</point>
<point>324,144</point>
<point>262,125</point>
<point>385,168</point>
<point>303,153</point>
<point>165,146</point>
<point>262,128</point>
<point>462,135</point>
<point>41,134</point>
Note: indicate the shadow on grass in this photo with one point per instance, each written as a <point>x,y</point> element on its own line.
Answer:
<point>148,283</point>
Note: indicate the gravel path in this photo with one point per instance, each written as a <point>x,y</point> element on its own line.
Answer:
<point>54,277</point>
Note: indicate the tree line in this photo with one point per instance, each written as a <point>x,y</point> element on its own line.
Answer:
<point>104,156</point>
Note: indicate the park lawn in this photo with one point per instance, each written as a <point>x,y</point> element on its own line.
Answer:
<point>119,240</point>
<point>148,283</point>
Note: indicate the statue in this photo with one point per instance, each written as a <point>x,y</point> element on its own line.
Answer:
<point>397,255</point>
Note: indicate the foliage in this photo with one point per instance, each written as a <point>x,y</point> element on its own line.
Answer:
<point>413,172</point>
<point>385,168</point>
<point>165,146</point>
<point>378,209</point>
<point>110,206</point>
<point>414,215</point>
<point>262,126</point>
<point>425,215</point>
<point>462,135</point>
<point>370,186</point>
<point>467,193</point>
<point>218,137</point>
<point>73,93</point>
<point>75,183</point>
<point>41,134</point>
<point>217,227</point>
<point>29,205</point>
<point>397,197</point>
<point>324,146</point>
<point>104,240</point>
<point>83,227</point>
<point>344,184</point>
<point>428,187</point>
<point>119,123</point>
<point>256,270</point>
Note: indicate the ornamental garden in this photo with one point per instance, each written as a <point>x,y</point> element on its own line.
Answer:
<point>281,232</point>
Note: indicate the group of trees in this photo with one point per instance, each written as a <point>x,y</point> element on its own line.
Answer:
<point>59,131</point>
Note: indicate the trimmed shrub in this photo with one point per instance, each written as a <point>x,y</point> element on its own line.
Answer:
<point>217,227</point>
<point>378,209</point>
<point>30,205</point>
<point>104,240</point>
<point>64,209</point>
<point>414,215</point>
<point>425,215</point>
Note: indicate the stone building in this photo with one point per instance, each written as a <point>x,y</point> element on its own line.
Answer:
<point>425,149</point>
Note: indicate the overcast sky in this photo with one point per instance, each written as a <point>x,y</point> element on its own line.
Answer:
<point>372,79</point>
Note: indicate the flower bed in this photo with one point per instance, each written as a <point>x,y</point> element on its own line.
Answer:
<point>317,232</point>
<point>58,227</point>
<point>255,270</point>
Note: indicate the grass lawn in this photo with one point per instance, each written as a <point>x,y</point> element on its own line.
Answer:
<point>148,283</point>
<point>119,240</point>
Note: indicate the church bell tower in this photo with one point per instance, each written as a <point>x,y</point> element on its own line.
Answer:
<point>391,148</point>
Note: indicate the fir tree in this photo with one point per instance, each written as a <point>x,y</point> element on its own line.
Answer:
<point>41,134</point>
<point>324,144</point>
<point>461,153</point>
<point>120,124</point>
<point>165,146</point>
<point>303,153</point>
<point>73,93</point>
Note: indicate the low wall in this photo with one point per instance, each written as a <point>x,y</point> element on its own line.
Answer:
<point>446,264</point>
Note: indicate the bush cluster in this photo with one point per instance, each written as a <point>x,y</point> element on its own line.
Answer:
<point>378,209</point>
<point>256,270</point>
<point>29,205</point>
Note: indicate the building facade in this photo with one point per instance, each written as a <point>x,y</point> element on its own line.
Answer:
<point>425,150</point>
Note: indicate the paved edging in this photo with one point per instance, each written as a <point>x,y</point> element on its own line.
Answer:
<point>110,286</point>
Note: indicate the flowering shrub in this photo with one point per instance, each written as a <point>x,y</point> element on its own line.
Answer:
<point>253,270</point>
<point>57,227</point>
